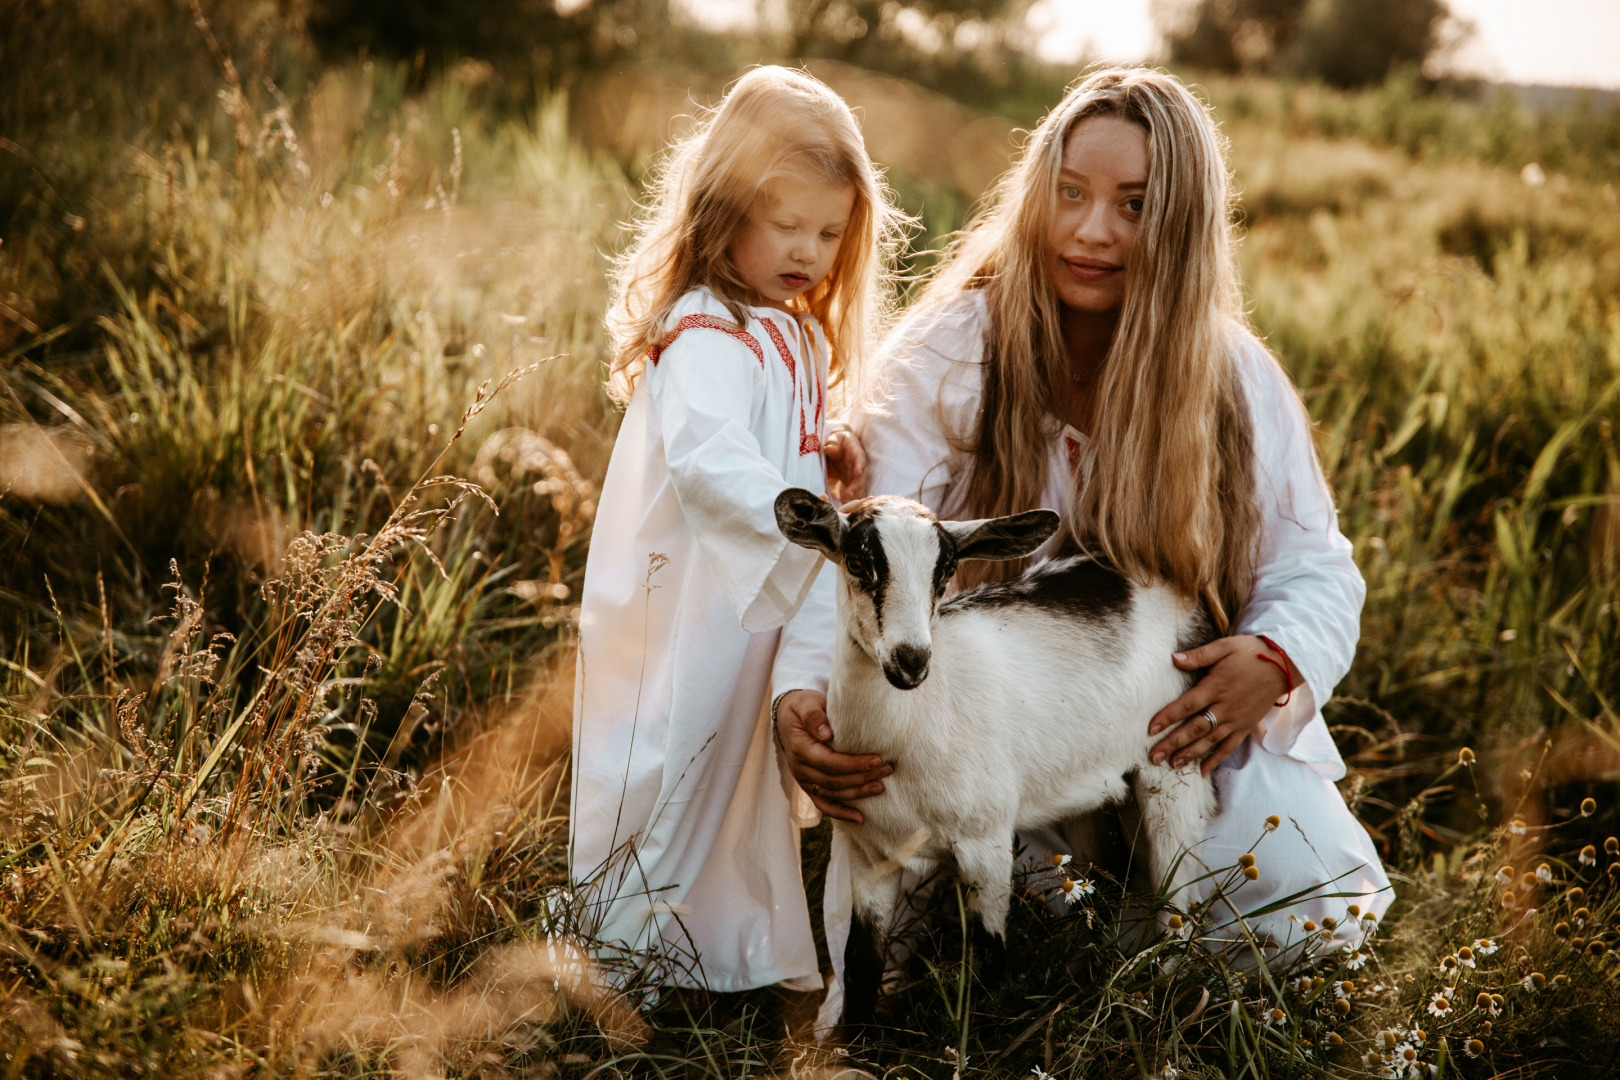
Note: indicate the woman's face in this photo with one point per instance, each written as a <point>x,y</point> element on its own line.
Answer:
<point>1099,206</point>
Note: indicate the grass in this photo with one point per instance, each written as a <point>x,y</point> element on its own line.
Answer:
<point>286,672</point>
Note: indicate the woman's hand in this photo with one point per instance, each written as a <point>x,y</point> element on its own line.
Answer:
<point>846,464</point>
<point>1239,689</point>
<point>830,779</point>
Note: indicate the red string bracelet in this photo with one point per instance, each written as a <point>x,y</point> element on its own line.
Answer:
<point>1283,666</point>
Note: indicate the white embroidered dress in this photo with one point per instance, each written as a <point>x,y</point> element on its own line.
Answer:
<point>684,828</point>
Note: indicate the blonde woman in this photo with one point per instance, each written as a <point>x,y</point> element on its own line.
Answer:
<point>1082,347</point>
<point>751,284</point>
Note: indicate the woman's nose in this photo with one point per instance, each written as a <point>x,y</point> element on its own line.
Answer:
<point>1092,228</point>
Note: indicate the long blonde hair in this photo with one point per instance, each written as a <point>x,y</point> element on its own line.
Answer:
<point>1170,491</point>
<point>773,121</point>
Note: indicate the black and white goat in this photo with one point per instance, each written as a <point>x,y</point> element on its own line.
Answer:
<point>1010,705</point>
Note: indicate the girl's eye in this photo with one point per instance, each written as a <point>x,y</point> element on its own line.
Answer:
<point>1070,192</point>
<point>1134,205</point>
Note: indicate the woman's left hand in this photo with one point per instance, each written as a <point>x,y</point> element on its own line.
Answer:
<point>1239,689</point>
<point>846,464</point>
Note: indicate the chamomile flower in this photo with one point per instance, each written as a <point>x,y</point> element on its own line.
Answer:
<point>1465,957</point>
<point>1517,827</point>
<point>1544,874</point>
<point>1588,855</point>
<point>1588,806</point>
<point>1344,988</point>
<point>1533,982</point>
<point>1504,876</point>
<point>1484,946</point>
<point>1075,888</point>
<point>1276,1018</point>
<point>1473,1048</point>
<point>1357,959</point>
<point>1272,822</point>
<point>1439,1005</point>
<point>1060,861</point>
<point>1369,924</point>
<point>1448,965</point>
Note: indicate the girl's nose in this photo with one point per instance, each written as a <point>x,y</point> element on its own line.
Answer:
<point>1092,228</point>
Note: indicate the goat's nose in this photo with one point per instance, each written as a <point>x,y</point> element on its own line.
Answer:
<point>907,667</point>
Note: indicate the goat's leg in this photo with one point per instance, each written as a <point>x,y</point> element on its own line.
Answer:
<point>877,890</point>
<point>987,865</point>
<point>1176,807</point>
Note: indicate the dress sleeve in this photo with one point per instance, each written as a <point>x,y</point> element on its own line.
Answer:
<point>925,394</point>
<point>703,388</point>
<point>1308,591</point>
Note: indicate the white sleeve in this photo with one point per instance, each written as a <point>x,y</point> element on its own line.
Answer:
<point>927,386</point>
<point>703,390</point>
<point>804,658</point>
<point>1307,592</point>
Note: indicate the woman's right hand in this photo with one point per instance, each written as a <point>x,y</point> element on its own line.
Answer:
<point>831,779</point>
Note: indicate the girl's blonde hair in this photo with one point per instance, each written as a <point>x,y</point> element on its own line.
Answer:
<point>772,122</point>
<point>1170,491</point>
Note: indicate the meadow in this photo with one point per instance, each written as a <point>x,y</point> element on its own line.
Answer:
<point>300,434</point>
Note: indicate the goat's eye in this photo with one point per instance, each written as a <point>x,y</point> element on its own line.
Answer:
<point>856,565</point>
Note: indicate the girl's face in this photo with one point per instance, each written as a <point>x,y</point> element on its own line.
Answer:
<point>791,237</point>
<point>1100,187</point>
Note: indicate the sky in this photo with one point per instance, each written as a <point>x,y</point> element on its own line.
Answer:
<point>1558,42</point>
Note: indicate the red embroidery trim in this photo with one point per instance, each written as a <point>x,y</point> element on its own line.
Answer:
<point>809,440</point>
<point>707,322</point>
<point>1284,667</point>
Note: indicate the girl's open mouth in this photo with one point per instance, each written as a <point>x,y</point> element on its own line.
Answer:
<point>794,281</point>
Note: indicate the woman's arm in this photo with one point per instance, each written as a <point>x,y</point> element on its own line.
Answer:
<point>1306,599</point>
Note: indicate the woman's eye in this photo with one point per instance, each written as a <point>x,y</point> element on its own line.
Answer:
<point>1134,205</point>
<point>1070,192</point>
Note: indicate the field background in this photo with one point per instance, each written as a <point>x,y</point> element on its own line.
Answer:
<point>291,555</point>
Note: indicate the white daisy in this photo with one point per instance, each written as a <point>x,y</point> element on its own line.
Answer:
<point>1357,959</point>
<point>1544,874</point>
<point>1484,946</point>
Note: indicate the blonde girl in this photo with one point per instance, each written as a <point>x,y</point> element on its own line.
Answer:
<point>752,284</point>
<point>1082,347</point>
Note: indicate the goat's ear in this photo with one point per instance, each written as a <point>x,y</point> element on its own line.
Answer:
<point>810,521</point>
<point>1002,538</point>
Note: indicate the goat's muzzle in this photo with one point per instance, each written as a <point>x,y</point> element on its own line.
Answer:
<point>907,667</point>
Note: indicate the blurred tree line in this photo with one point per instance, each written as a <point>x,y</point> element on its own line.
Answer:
<point>1344,43</point>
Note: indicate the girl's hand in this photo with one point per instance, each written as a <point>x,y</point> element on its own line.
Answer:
<point>1240,688</point>
<point>830,779</point>
<point>846,464</point>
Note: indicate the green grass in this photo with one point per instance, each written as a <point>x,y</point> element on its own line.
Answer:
<point>285,712</point>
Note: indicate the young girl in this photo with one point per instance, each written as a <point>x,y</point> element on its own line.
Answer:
<point>752,283</point>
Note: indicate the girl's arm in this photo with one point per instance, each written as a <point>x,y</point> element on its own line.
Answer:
<point>703,390</point>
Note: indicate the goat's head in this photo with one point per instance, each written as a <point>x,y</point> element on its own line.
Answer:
<point>895,559</point>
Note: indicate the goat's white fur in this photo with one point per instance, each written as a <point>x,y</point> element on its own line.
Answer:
<point>1025,716</point>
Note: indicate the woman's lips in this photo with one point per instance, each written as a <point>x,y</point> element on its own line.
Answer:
<point>1090,270</point>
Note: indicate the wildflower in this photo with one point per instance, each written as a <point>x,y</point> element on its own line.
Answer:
<point>1580,916</point>
<point>1596,948</point>
<point>1417,1036</point>
<point>1354,911</point>
<point>1484,946</point>
<point>1560,981</point>
<point>1465,957</point>
<point>1317,982</point>
<point>1465,756</point>
<point>1345,988</point>
<point>1342,1006</point>
<point>1276,1017</point>
<point>1310,926</point>
<point>1246,859</point>
<point>1504,876</point>
<point>1170,1073</point>
<point>1482,1001</point>
<point>1059,861</point>
<point>1448,965</point>
<point>1485,1027</point>
<point>1561,930</point>
<point>1369,924</point>
<point>1357,959</point>
<point>1588,856</point>
<point>1300,984</point>
<point>1544,874</point>
<point>1497,1001</point>
<point>1272,821</point>
<point>1533,981</point>
<point>1527,881</point>
<point>1333,1038</point>
<point>1075,888</point>
<point>1329,923</point>
<point>1252,873</point>
<point>1588,806</point>
<point>1174,922</point>
<point>1039,1073</point>
<point>1516,827</point>
<point>1473,1048</point>
<point>1612,845</point>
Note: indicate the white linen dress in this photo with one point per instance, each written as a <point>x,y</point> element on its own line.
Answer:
<point>684,844</point>
<point>1307,597</point>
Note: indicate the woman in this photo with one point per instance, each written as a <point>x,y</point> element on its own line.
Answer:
<point>1082,348</point>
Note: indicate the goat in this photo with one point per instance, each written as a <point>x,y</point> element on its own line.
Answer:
<point>1010,705</point>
